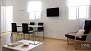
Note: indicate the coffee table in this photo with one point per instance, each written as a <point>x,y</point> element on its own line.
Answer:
<point>31,47</point>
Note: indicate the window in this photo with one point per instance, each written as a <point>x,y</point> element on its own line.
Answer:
<point>34,9</point>
<point>78,9</point>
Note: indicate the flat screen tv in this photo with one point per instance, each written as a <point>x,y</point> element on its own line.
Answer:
<point>53,12</point>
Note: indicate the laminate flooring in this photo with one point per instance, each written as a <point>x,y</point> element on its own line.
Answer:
<point>49,44</point>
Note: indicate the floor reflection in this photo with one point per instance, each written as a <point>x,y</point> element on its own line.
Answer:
<point>5,38</point>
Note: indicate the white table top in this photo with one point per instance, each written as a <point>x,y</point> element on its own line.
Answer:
<point>30,26</point>
<point>23,48</point>
<point>34,26</point>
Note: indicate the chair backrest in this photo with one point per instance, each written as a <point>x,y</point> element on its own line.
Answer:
<point>32,23</point>
<point>87,28</point>
<point>24,27</point>
<point>40,23</point>
<point>40,28</point>
<point>30,29</point>
<point>14,27</point>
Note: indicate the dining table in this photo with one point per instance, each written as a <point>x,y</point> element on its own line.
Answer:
<point>34,26</point>
<point>34,29</point>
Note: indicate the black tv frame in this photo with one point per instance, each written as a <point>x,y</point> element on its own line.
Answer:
<point>52,12</point>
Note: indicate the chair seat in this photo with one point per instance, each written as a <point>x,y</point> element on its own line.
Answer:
<point>38,31</point>
<point>72,37</point>
<point>30,32</point>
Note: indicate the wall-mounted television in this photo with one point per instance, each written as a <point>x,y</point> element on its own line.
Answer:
<point>52,12</point>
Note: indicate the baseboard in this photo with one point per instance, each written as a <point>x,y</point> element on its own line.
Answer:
<point>56,38</point>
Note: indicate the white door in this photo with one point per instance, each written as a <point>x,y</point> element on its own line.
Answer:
<point>9,20</point>
<point>9,17</point>
<point>2,19</point>
<point>6,20</point>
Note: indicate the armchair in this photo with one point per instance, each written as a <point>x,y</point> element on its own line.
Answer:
<point>73,38</point>
<point>83,44</point>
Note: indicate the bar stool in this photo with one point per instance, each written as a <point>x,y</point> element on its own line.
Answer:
<point>40,29</point>
<point>25,30</point>
<point>14,30</point>
<point>32,23</point>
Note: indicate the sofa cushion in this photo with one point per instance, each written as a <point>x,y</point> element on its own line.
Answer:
<point>72,37</point>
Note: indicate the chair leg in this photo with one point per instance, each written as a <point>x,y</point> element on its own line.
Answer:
<point>75,44</point>
<point>11,37</point>
<point>43,36</point>
<point>38,36</point>
<point>23,36</point>
<point>34,38</point>
<point>17,36</point>
<point>67,41</point>
<point>29,37</point>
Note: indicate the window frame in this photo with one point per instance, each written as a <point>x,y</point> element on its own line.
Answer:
<point>35,12</point>
<point>78,10</point>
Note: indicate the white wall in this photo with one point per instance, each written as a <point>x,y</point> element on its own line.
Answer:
<point>54,27</point>
<point>57,27</point>
<point>1,3</point>
<point>0,17</point>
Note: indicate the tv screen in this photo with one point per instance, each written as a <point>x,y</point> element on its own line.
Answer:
<point>53,12</point>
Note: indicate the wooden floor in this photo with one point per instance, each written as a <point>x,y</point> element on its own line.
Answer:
<point>49,44</point>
